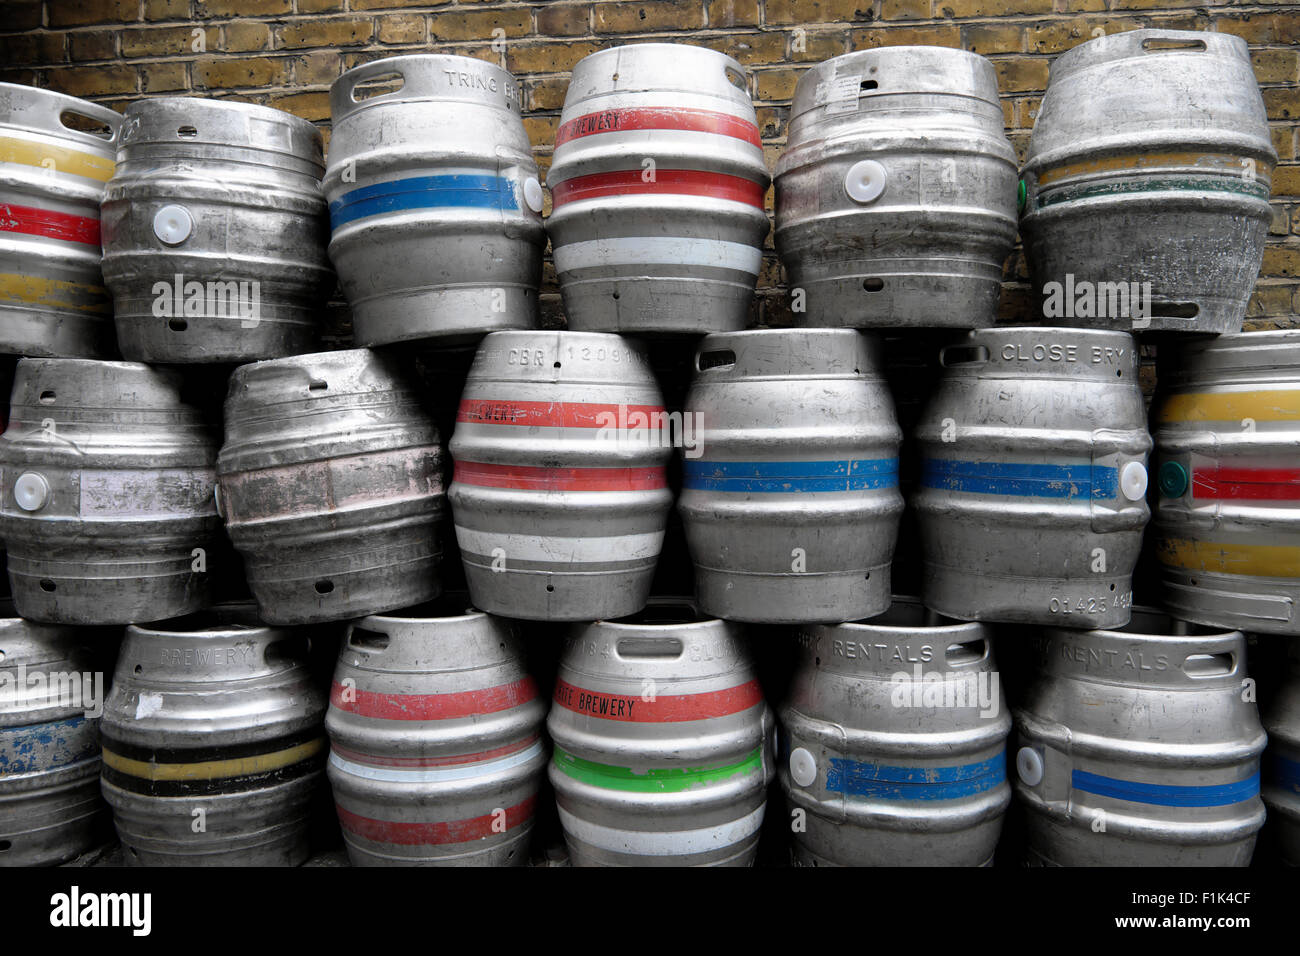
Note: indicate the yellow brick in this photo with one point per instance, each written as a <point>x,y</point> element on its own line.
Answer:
<point>241,8</point>
<point>22,15</point>
<point>167,41</point>
<point>1009,114</point>
<point>819,11</point>
<point>1275,66</point>
<point>750,49</point>
<point>92,45</point>
<point>905,10</point>
<point>326,6</point>
<point>1281,260</point>
<point>313,106</point>
<point>548,57</point>
<point>771,121</point>
<point>166,9</point>
<point>564,19</point>
<point>988,38</point>
<point>775,84</point>
<point>1279,223</point>
<point>1270,299</point>
<point>945,34</point>
<point>733,13</point>
<point>400,28</point>
<point>541,129</point>
<point>1284,141</point>
<point>318,68</point>
<point>1021,75</point>
<point>547,94</point>
<point>814,46</point>
<point>1261,28</point>
<point>35,49</point>
<point>1282,103</point>
<point>246,36</point>
<point>93,80</point>
<point>1286,180</point>
<point>77,13</point>
<point>966,9</point>
<point>641,17</point>
<point>479,24</point>
<point>164,77</point>
<point>1067,34</point>
<point>240,72</point>
<point>346,31</point>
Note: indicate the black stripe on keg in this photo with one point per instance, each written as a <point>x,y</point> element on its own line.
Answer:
<point>201,754</point>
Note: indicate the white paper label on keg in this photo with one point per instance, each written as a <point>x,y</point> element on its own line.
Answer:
<point>160,493</point>
<point>841,95</point>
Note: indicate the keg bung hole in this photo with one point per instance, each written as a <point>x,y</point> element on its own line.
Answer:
<point>5,845</point>
<point>324,587</point>
<point>368,640</point>
<point>557,364</point>
<point>1157,44</point>
<point>85,124</point>
<point>720,358</point>
<point>1119,373</point>
<point>550,587</point>
<point>1176,310</point>
<point>47,584</point>
<point>873,285</point>
<point>868,85</point>
<point>318,386</point>
<point>177,325</point>
<point>377,86</point>
<point>139,669</point>
<point>615,295</point>
<point>47,397</point>
<point>867,576</point>
<point>187,132</point>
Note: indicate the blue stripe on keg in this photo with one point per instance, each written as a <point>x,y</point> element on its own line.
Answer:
<point>777,477</point>
<point>916,783</point>
<point>1286,773</point>
<point>1021,480</point>
<point>473,190</point>
<point>37,747</point>
<point>1167,795</point>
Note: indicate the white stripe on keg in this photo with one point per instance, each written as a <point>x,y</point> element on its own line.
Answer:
<point>659,843</point>
<point>526,547</point>
<point>658,251</point>
<point>436,774</point>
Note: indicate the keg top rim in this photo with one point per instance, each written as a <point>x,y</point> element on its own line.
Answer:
<point>560,336</point>
<point>69,363</point>
<point>1103,49</point>
<point>90,108</point>
<point>1197,633</point>
<point>304,360</point>
<point>908,603</point>
<point>660,45</point>
<point>431,58</point>
<point>223,105</point>
<point>219,620</point>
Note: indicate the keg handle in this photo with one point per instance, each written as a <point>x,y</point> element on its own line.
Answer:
<point>108,138</point>
<point>367,639</point>
<point>1163,41</point>
<point>649,648</point>
<point>739,79</point>
<point>1200,664</point>
<point>714,358</point>
<point>979,351</point>
<point>373,73</point>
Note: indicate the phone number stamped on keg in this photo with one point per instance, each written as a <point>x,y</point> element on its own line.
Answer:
<point>1090,605</point>
<point>540,358</point>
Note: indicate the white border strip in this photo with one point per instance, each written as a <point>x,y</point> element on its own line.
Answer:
<point>672,843</point>
<point>527,547</point>
<point>435,774</point>
<point>658,251</point>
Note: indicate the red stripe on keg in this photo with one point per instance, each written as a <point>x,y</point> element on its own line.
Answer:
<point>533,478</point>
<point>490,411</point>
<point>468,703</point>
<point>375,760</point>
<point>51,225</point>
<point>1253,484</point>
<point>655,117</point>
<point>427,834</point>
<point>683,182</point>
<point>662,709</point>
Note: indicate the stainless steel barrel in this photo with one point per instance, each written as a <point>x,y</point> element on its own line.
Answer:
<point>790,488</point>
<point>657,190</point>
<point>1148,175</point>
<point>896,192</point>
<point>435,732</point>
<point>1227,426</point>
<point>106,481</point>
<point>894,743</point>
<point>434,200</point>
<point>56,154</point>
<point>1140,747</point>
<point>1033,478</point>
<point>1281,790</point>
<point>50,703</point>
<point>330,485</point>
<point>559,494</point>
<point>213,744</point>
<point>215,231</point>
<point>662,742</point>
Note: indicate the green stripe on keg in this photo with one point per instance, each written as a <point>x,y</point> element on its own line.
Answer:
<point>1222,184</point>
<point>655,779</point>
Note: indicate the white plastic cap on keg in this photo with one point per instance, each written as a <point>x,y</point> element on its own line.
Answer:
<point>1029,765</point>
<point>865,180</point>
<point>173,224</point>
<point>533,194</point>
<point>31,491</point>
<point>803,767</point>
<point>1133,480</point>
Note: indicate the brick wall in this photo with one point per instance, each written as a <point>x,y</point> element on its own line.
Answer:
<point>285,53</point>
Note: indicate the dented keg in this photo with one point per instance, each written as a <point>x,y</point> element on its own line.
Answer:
<point>657,190</point>
<point>1148,178</point>
<point>213,744</point>
<point>1033,478</point>
<point>214,232</point>
<point>662,742</point>
<point>50,703</point>
<point>434,200</point>
<point>895,196</point>
<point>107,480</point>
<point>790,489</point>
<point>559,493</point>
<point>1140,747</point>
<point>894,743</point>
<point>330,485</point>
<point>435,731</point>
<point>56,154</point>
<point>1281,791</point>
<point>1228,512</point>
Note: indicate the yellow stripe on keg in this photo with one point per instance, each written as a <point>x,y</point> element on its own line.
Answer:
<point>54,293</point>
<point>1275,405</point>
<point>59,158</point>
<point>1217,162</point>
<point>1256,560</point>
<point>214,769</point>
